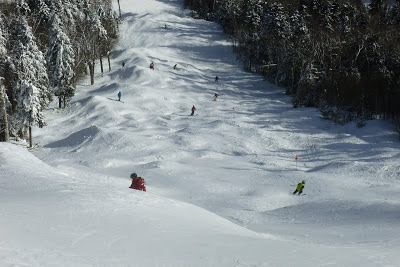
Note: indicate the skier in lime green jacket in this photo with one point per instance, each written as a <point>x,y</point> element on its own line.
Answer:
<point>300,187</point>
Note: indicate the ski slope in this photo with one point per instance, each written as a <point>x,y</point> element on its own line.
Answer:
<point>219,183</point>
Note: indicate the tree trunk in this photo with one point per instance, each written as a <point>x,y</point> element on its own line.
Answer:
<point>119,8</point>
<point>109,63</point>
<point>59,102</point>
<point>91,71</point>
<point>64,101</point>
<point>30,136</point>
<point>101,64</point>
<point>4,136</point>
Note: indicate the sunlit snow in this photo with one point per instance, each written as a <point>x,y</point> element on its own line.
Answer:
<point>219,183</point>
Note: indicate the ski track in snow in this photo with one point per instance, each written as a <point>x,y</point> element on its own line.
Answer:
<point>235,158</point>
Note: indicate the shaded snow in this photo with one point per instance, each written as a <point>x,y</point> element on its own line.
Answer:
<point>219,183</point>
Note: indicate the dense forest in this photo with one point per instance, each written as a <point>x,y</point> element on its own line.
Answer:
<point>45,47</point>
<point>341,56</point>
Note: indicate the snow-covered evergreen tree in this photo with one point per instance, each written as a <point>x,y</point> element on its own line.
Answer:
<point>90,37</point>
<point>228,14</point>
<point>108,18</point>
<point>40,11</point>
<point>66,11</point>
<point>22,8</point>
<point>248,35</point>
<point>275,34</point>
<point>30,83</point>
<point>60,63</point>
<point>4,132</point>
<point>252,15</point>
<point>3,49</point>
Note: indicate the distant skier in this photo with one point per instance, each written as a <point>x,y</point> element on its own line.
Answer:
<point>152,65</point>
<point>119,96</point>
<point>165,26</point>
<point>300,187</point>
<point>215,97</point>
<point>123,63</point>
<point>216,78</point>
<point>137,182</point>
<point>193,109</point>
<point>175,66</point>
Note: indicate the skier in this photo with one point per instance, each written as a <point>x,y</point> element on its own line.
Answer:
<point>299,187</point>
<point>119,96</point>
<point>216,78</point>
<point>152,65</point>
<point>137,182</point>
<point>175,66</point>
<point>215,97</point>
<point>193,109</point>
<point>123,63</point>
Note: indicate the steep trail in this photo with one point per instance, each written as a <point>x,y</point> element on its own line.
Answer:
<point>235,157</point>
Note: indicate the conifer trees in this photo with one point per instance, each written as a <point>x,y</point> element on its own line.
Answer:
<point>49,45</point>
<point>338,55</point>
<point>4,132</point>
<point>30,87</point>
<point>60,63</point>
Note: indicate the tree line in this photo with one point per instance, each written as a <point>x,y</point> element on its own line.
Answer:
<point>45,47</point>
<point>341,56</point>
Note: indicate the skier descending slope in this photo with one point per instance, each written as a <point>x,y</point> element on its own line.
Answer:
<point>300,187</point>
<point>193,109</point>
<point>215,97</point>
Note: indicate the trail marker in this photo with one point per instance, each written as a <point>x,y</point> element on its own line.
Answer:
<point>296,158</point>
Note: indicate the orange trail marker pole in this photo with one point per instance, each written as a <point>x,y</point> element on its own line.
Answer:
<point>296,158</point>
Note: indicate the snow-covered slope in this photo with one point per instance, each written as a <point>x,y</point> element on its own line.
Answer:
<point>219,182</point>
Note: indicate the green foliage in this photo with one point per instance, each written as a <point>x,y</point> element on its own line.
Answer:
<point>331,53</point>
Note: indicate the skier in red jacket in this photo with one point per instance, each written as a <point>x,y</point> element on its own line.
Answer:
<point>137,182</point>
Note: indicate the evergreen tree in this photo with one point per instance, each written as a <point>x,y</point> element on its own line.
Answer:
<point>376,7</point>
<point>249,36</point>
<point>60,63</point>
<point>109,19</point>
<point>228,15</point>
<point>4,132</point>
<point>40,11</point>
<point>299,56</point>
<point>30,83</point>
<point>91,36</point>
<point>327,53</point>
<point>30,29</point>
<point>275,34</point>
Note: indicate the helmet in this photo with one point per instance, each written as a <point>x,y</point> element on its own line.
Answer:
<point>133,175</point>
<point>303,181</point>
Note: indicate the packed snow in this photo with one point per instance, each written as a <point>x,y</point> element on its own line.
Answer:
<point>219,183</point>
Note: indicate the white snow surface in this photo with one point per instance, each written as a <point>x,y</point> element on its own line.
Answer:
<point>219,183</point>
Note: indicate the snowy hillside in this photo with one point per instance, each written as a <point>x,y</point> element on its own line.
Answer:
<point>218,183</point>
